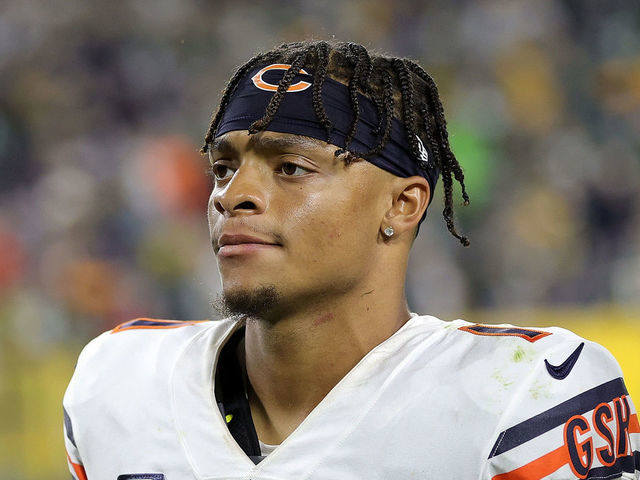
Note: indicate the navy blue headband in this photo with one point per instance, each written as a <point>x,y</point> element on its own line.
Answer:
<point>296,115</point>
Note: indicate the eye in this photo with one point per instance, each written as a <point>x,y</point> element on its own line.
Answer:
<point>220,171</point>
<point>290,169</point>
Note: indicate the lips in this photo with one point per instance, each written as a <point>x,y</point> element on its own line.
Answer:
<point>233,244</point>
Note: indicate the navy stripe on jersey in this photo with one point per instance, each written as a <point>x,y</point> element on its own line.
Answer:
<point>141,476</point>
<point>151,323</point>
<point>558,415</point>
<point>489,330</point>
<point>141,323</point>
<point>68,427</point>
<point>628,464</point>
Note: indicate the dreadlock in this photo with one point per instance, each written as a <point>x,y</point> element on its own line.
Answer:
<point>398,87</point>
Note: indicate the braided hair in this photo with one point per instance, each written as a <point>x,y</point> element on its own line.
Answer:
<point>398,87</point>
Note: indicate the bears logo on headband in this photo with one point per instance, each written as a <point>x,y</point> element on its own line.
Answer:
<point>259,82</point>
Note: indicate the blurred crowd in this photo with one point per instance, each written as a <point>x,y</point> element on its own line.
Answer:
<point>103,106</point>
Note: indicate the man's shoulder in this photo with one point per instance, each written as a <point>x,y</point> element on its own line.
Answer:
<point>539,367</point>
<point>518,344</point>
<point>142,336</point>
<point>139,351</point>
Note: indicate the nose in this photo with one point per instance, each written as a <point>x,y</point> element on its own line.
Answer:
<point>244,194</point>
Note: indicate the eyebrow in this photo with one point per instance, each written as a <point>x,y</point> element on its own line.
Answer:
<point>266,143</point>
<point>222,145</point>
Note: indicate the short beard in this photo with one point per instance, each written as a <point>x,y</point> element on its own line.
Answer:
<point>258,303</point>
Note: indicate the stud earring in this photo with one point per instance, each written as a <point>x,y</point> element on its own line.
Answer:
<point>389,231</point>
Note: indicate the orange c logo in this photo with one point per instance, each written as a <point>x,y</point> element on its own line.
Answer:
<point>262,85</point>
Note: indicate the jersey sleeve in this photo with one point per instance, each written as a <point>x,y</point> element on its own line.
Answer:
<point>73,456</point>
<point>572,418</point>
<point>78,393</point>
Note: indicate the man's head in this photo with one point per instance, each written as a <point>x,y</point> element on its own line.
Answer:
<point>288,145</point>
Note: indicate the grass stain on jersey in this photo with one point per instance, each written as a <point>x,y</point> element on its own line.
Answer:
<point>521,354</point>
<point>540,389</point>
<point>504,382</point>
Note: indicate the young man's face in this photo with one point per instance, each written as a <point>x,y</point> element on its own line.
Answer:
<point>286,213</point>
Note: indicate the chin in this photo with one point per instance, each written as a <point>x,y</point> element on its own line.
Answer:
<point>257,301</point>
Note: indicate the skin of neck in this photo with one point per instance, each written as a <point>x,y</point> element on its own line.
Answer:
<point>294,362</point>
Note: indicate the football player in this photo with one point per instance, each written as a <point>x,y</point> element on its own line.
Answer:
<point>324,159</point>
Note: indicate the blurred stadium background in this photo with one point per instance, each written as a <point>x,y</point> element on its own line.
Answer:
<point>102,194</point>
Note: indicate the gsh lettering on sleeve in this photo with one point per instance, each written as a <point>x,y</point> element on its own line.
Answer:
<point>589,438</point>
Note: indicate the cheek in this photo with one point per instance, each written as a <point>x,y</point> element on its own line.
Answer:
<point>321,220</point>
<point>328,226</point>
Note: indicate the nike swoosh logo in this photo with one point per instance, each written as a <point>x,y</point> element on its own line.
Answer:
<point>561,371</point>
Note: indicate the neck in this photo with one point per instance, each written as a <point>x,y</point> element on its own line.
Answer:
<point>294,362</point>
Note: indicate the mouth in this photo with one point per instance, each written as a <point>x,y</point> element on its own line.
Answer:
<point>229,245</point>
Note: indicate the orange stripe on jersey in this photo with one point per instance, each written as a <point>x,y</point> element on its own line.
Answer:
<point>538,468</point>
<point>145,323</point>
<point>634,425</point>
<point>79,469</point>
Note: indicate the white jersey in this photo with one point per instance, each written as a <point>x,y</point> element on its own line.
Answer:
<point>437,400</point>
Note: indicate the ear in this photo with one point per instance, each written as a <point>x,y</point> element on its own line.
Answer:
<point>410,200</point>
